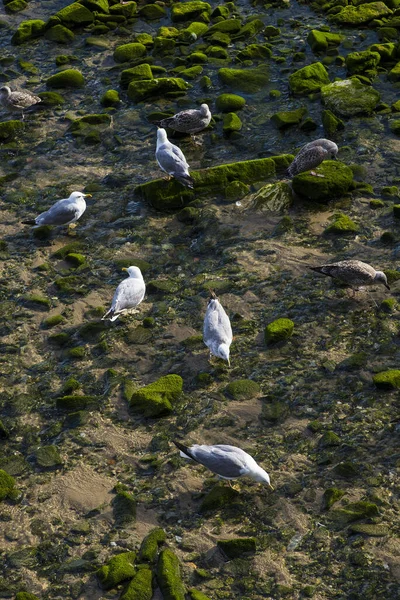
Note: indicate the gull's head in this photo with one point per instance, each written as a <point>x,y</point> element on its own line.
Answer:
<point>380,277</point>
<point>161,136</point>
<point>330,148</point>
<point>223,352</point>
<point>262,477</point>
<point>134,272</point>
<point>79,196</point>
<point>5,91</point>
<point>205,111</point>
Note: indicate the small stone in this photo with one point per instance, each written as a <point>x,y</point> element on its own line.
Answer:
<point>278,330</point>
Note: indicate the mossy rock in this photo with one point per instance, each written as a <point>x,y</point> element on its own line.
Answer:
<point>394,74</point>
<point>230,26</point>
<point>120,568</point>
<point>387,380</point>
<point>36,301</point>
<point>360,62</point>
<point>168,575</point>
<point>72,403</point>
<point>254,52</point>
<point>149,548</point>
<point>152,12</point>
<point>26,596</point>
<point>246,80</point>
<point>163,46</point>
<point>243,389</point>
<point>140,588</point>
<point>235,190</point>
<point>319,41</point>
<point>162,286</point>
<point>51,99</point>
<point>272,197</point>
<point>238,547</point>
<point>9,130</point>
<point>28,30</point>
<point>124,507</point>
<point>285,119</point>
<point>68,249</point>
<point>185,11</point>
<point>110,99</point>
<point>138,73</point>
<point>354,511</point>
<point>165,196</point>
<point>330,496</point>
<point>48,457</point>
<point>278,330</point>
<point>7,485</point>
<point>128,52</point>
<point>227,103</point>
<point>331,123</point>
<point>369,529</point>
<point>101,6</point>
<point>59,34</point>
<point>361,14</point>
<point>328,439</point>
<point>196,595</point>
<point>336,181</point>
<point>191,72</point>
<point>249,30</point>
<point>387,52</point>
<point>15,6</point>
<point>349,97</point>
<point>126,10</point>
<point>75,15</point>
<point>231,123</point>
<point>4,433</point>
<point>309,79</point>
<point>70,78</point>
<point>188,215</point>
<point>346,469</point>
<point>341,225</point>
<point>138,91</point>
<point>157,399</point>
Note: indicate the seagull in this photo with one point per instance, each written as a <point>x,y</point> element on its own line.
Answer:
<point>312,155</point>
<point>63,212</point>
<point>172,160</point>
<point>189,121</point>
<point>17,100</point>
<point>228,462</point>
<point>128,294</point>
<point>353,272</point>
<point>217,330</point>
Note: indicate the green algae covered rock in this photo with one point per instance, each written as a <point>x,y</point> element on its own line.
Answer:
<point>70,78</point>
<point>185,11</point>
<point>165,195</point>
<point>387,380</point>
<point>110,98</point>
<point>341,225</point>
<point>387,52</point>
<point>152,12</point>
<point>157,399</point>
<point>219,497</point>
<point>149,547</point>
<point>59,34</point>
<point>231,123</point>
<point>168,575</point>
<point>237,547</point>
<point>330,496</point>
<point>16,6</point>
<point>9,130</point>
<point>229,103</point>
<point>229,26</point>
<point>361,14</point>
<point>336,181</point>
<point>128,52</point>
<point>272,197</point>
<point>51,99</point>
<point>48,456</point>
<point>319,41</point>
<point>255,52</point>
<point>100,6</point>
<point>28,30</point>
<point>72,403</point>
<point>118,569</point>
<point>196,595</point>
<point>309,79</point>
<point>370,529</point>
<point>138,73</point>
<point>243,389</point>
<point>124,507</point>
<point>360,62</point>
<point>278,330</point>
<point>75,15</point>
<point>354,511</point>
<point>246,80</point>
<point>331,123</point>
<point>7,485</point>
<point>138,91</point>
<point>140,588</point>
<point>394,74</point>
<point>125,10</point>
<point>26,596</point>
<point>349,97</point>
<point>285,119</point>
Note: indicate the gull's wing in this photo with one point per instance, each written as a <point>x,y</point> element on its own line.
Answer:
<point>128,294</point>
<point>61,213</point>
<point>226,461</point>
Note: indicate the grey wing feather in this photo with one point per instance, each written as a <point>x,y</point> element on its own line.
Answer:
<point>307,159</point>
<point>61,213</point>
<point>128,294</point>
<point>171,161</point>
<point>227,463</point>
<point>217,326</point>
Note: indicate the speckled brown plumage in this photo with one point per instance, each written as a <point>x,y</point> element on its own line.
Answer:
<point>189,121</point>
<point>354,273</point>
<point>312,155</point>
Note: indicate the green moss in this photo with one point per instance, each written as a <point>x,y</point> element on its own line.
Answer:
<point>68,249</point>
<point>28,30</point>
<point>16,6</point>
<point>246,80</point>
<point>229,103</point>
<point>150,544</point>
<point>255,52</point>
<point>331,123</point>
<point>138,91</point>
<point>70,78</point>
<point>388,306</point>
<point>36,301</point>
<point>231,123</point>
<point>110,98</point>
<point>48,456</point>
<point>76,259</point>
<point>126,10</point>
<point>349,97</point>
<point>189,215</point>
<point>157,399</point>
<point>191,72</point>
<point>152,12</point>
<point>285,119</point>
<point>196,595</point>
<point>336,181</point>
<point>4,433</point>
<point>128,52</point>
<point>198,58</point>
<point>249,30</point>
<point>7,485</point>
<point>120,568</point>
<point>140,588</point>
<point>278,330</point>
<point>59,34</point>
<point>72,403</point>
<point>387,380</point>
<point>329,438</point>
<point>59,339</point>
<point>169,577</point>
<point>230,26</point>
<point>124,507</point>
<point>75,15</point>
<point>319,41</point>
<point>164,46</point>
<point>360,15</point>
<point>354,511</point>
<point>77,352</point>
<point>237,547</point>
<point>53,321</point>
<point>9,130</point>
<point>370,529</point>
<point>185,11</point>
<point>271,31</point>
<point>309,79</point>
<point>71,385</point>
<point>162,286</point>
<point>235,190</point>
<point>138,73</point>
<point>26,596</point>
<point>243,389</point>
<point>51,99</point>
<point>341,224</point>
<point>347,470</point>
<point>330,496</point>
<point>360,62</point>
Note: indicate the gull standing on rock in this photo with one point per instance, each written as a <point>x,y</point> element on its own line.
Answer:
<point>354,273</point>
<point>17,100</point>
<point>63,212</point>
<point>217,330</point>
<point>128,294</point>
<point>312,155</point>
<point>189,121</point>
<point>172,160</point>
<point>228,462</point>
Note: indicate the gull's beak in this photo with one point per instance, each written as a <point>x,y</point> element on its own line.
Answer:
<point>124,269</point>
<point>87,195</point>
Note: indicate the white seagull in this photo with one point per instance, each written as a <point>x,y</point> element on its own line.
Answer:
<point>172,160</point>
<point>128,294</point>
<point>217,330</point>
<point>63,212</point>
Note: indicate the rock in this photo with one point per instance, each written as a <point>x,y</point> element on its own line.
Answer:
<point>185,11</point>
<point>126,10</point>
<point>101,6</point>
<point>246,80</point>
<point>309,79</point>
<point>319,41</point>
<point>75,15</point>
<point>88,128</point>
<point>188,215</point>
<point>152,12</point>
<point>128,52</point>
<point>336,181</point>
<point>164,46</point>
<point>360,62</point>
<point>361,14</point>
<point>230,26</point>
<point>70,78</point>
<point>51,99</point>
<point>238,547</point>
<point>4,433</point>
<point>249,30</point>
<point>331,123</point>
<point>124,511</point>
<point>219,497</point>
<point>278,330</point>
<point>285,119</point>
<point>396,207</point>
<point>273,197</point>
<point>243,389</point>
<point>197,28</point>
<point>138,73</point>
<point>48,456</point>
<point>198,58</point>
<point>328,439</point>
<point>156,399</point>
<point>27,30</point>
<point>394,74</point>
<point>271,31</point>
<point>26,596</point>
<point>341,224</point>
<point>36,301</point>
<point>196,595</point>
<point>9,130</point>
<point>229,103</point>
<point>354,511</point>
<point>110,98</point>
<point>231,123</point>
<point>191,72</point>
<point>16,6</point>
<point>119,568</point>
<point>235,190</point>
<point>73,403</point>
<point>387,380</point>
<point>347,470</point>
<point>349,97</point>
<point>395,128</point>
<point>168,569</point>
<point>387,52</point>
<point>140,588</point>
<point>370,529</point>
<point>330,496</point>
<point>150,545</point>
<point>7,485</point>
<point>139,91</point>
<point>217,52</point>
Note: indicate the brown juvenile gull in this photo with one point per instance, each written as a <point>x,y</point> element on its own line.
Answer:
<point>217,331</point>
<point>63,212</point>
<point>17,100</point>
<point>189,121</point>
<point>354,273</point>
<point>228,462</point>
<point>172,160</point>
<point>128,294</point>
<point>312,155</point>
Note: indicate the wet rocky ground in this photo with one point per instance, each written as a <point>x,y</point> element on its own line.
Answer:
<point>88,472</point>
